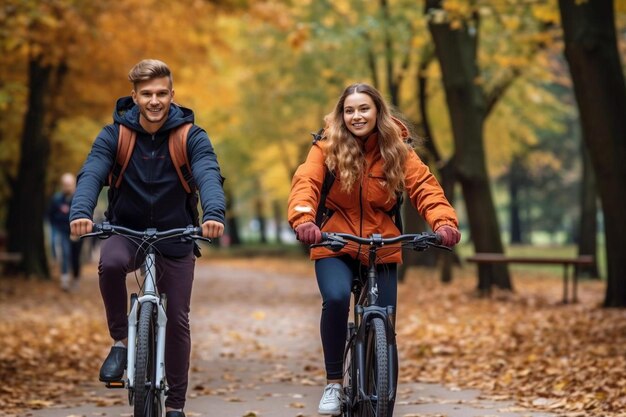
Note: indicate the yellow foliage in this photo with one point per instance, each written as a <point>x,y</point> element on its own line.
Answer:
<point>457,8</point>
<point>299,36</point>
<point>511,22</point>
<point>260,77</point>
<point>272,12</point>
<point>547,13</point>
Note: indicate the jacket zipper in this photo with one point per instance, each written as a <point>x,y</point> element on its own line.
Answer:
<point>150,178</point>
<point>360,215</point>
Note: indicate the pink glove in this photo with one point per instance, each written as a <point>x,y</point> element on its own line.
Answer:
<point>308,233</point>
<point>449,235</point>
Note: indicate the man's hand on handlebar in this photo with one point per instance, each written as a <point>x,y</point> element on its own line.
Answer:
<point>80,227</point>
<point>212,229</point>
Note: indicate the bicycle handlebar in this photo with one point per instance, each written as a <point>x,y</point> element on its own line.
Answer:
<point>420,241</point>
<point>106,229</point>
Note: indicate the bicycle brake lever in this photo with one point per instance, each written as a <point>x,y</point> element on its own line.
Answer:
<point>206,239</point>
<point>333,245</point>
<point>92,234</point>
<point>423,247</point>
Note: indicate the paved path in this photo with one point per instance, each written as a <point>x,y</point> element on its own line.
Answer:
<point>256,352</point>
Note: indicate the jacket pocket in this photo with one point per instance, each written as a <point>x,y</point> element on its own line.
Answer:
<point>377,194</point>
<point>328,213</point>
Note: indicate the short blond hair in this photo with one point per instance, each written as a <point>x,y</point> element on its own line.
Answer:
<point>149,69</point>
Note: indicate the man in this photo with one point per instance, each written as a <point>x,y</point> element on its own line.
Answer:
<point>150,195</point>
<point>58,215</point>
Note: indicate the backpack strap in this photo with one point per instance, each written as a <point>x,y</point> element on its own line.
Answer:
<point>323,212</point>
<point>318,136</point>
<point>178,153</point>
<point>396,211</point>
<point>125,145</point>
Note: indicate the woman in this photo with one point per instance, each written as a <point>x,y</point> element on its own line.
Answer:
<point>367,151</point>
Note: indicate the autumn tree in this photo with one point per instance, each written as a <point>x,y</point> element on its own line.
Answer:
<point>472,92</point>
<point>43,35</point>
<point>596,69</point>
<point>69,56</point>
<point>456,50</point>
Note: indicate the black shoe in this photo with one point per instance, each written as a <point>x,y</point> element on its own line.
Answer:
<point>175,414</point>
<point>113,367</point>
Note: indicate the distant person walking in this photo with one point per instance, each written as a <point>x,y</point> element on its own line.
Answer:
<point>59,215</point>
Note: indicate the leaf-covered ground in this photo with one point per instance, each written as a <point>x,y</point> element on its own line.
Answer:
<point>567,359</point>
<point>528,347</point>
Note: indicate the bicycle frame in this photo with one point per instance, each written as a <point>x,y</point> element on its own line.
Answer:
<point>368,322</point>
<point>363,314</point>
<point>142,324</point>
<point>150,295</point>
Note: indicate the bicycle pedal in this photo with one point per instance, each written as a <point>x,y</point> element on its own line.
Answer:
<point>115,384</point>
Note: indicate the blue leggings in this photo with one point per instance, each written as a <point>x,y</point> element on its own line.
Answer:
<point>334,278</point>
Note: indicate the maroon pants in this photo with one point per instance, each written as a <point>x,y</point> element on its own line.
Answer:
<point>175,279</point>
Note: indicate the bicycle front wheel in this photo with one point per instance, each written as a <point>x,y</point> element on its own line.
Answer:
<point>376,401</point>
<point>147,401</point>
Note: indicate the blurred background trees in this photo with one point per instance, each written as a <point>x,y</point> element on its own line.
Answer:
<point>486,84</point>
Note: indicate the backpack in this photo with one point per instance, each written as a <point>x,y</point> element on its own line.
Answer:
<point>177,143</point>
<point>323,213</point>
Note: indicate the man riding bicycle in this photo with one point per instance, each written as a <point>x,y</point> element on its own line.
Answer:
<point>150,195</point>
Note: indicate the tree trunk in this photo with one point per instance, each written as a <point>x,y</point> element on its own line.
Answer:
<point>25,218</point>
<point>260,217</point>
<point>587,235</point>
<point>413,223</point>
<point>278,218</point>
<point>592,54</point>
<point>448,180</point>
<point>456,52</point>
<point>232,225</point>
<point>515,183</point>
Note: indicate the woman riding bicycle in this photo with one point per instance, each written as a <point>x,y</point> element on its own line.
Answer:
<point>368,152</point>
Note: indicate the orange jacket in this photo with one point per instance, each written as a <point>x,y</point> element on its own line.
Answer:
<point>363,211</point>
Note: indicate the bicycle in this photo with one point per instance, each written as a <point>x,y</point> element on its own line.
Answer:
<point>370,355</point>
<point>145,364</point>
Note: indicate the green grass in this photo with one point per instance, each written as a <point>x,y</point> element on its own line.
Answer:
<point>272,249</point>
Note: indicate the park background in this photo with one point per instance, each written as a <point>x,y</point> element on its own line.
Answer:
<point>520,103</point>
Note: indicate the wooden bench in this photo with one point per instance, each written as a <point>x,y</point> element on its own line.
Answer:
<point>498,258</point>
<point>7,257</point>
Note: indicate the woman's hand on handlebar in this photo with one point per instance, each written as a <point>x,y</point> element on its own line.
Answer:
<point>450,236</point>
<point>80,227</point>
<point>308,233</point>
<point>212,229</point>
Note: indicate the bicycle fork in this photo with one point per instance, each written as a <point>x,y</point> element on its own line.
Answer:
<point>364,316</point>
<point>149,296</point>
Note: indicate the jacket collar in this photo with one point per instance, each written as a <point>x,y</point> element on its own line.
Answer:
<point>370,142</point>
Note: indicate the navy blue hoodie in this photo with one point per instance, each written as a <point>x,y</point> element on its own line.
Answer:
<point>151,194</point>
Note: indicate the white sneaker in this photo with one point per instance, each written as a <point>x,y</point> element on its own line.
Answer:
<point>330,404</point>
<point>65,282</point>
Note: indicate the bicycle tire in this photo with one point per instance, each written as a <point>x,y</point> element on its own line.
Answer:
<point>147,402</point>
<point>376,401</point>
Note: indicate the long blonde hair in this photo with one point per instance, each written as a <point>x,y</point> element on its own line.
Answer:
<point>344,154</point>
